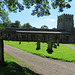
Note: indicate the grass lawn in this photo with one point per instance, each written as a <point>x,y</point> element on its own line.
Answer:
<point>62,52</point>
<point>72,44</point>
<point>12,68</point>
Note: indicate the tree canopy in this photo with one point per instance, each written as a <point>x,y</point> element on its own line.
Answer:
<point>17,23</point>
<point>44,27</point>
<point>27,25</point>
<point>41,7</point>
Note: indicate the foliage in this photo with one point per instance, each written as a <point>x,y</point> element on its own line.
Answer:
<point>12,67</point>
<point>44,27</point>
<point>1,26</point>
<point>62,52</point>
<point>16,24</point>
<point>54,28</point>
<point>6,24</point>
<point>27,25</point>
<point>61,4</point>
<point>41,7</point>
<point>34,27</point>
<point>3,16</point>
<point>11,24</point>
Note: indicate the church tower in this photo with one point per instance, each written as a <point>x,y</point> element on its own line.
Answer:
<point>65,22</point>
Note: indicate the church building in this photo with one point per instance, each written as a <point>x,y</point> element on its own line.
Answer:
<point>65,32</point>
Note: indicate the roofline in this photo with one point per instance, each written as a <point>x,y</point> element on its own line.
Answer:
<point>32,29</point>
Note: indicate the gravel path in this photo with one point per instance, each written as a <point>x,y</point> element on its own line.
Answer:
<point>70,46</point>
<point>41,65</point>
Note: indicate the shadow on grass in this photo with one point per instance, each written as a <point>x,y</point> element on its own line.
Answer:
<point>12,68</point>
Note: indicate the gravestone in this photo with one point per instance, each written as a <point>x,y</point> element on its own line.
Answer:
<point>57,42</point>
<point>49,49</point>
<point>1,51</point>
<point>20,38</point>
<point>38,44</point>
<point>19,42</point>
<point>54,44</point>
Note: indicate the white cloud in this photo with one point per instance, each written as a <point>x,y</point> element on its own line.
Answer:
<point>49,19</point>
<point>74,1</point>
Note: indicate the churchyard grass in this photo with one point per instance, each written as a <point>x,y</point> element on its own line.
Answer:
<point>12,67</point>
<point>72,44</point>
<point>62,52</point>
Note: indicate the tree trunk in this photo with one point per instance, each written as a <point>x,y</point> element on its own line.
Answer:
<point>1,51</point>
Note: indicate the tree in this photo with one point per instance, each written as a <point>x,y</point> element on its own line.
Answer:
<point>13,24</point>
<point>44,27</point>
<point>5,24</point>
<point>27,25</point>
<point>34,27</point>
<point>54,28</point>
<point>1,26</point>
<point>17,24</point>
<point>41,7</point>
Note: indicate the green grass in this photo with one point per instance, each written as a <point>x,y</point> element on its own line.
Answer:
<point>62,52</point>
<point>12,67</point>
<point>72,44</point>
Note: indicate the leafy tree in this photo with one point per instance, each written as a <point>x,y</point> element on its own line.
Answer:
<point>17,24</point>
<point>13,24</point>
<point>5,24</point>
<point>41,7</point>
<point>44,27</point>
<point>34,27</point>
<point>27,25</point>
<point>1,26</point>
<point>54,28</point>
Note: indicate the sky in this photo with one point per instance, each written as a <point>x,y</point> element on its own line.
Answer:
<point>51,20</point>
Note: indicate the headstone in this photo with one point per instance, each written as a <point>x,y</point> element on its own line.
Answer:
<point>54,44</point>
<point>1,51</point>
<point>20,38</point>
<point>19,42</point>
<point>38,44</point>
<point>57,42</point>
<point>49,49</point>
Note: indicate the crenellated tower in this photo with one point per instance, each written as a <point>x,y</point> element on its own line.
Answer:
<point>65,22</point>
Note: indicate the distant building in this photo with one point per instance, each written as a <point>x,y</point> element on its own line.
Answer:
<point>65,32</point>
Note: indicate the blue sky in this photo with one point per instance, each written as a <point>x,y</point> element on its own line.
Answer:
<point>51,20</point>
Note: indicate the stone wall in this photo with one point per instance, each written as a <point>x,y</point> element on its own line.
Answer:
<point>32,37</point>
<point>65,22</point>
